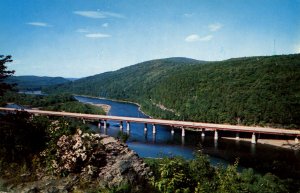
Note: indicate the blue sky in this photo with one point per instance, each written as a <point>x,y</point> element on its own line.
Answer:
<point>77,38</point>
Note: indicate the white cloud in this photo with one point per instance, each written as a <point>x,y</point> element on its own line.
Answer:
<point>82,30</point>
<point>195,38</point>
<point>105,25</point>
<point>188,15</point>
<point>98,14</point>
<point>39,24</point>
<point>215,26</point>
<point>97,35</point>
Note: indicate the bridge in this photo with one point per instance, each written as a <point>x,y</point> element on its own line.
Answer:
<point>183,125</point>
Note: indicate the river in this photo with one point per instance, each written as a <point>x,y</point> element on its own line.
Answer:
<point>263,158</point>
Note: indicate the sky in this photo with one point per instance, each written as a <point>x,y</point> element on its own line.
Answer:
<point>78,38</point>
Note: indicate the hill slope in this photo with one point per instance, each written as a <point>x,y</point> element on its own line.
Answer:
<point>35,82</point>
<point>254,90</point>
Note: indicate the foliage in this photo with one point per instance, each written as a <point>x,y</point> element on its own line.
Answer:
<point>24,137</point>
<point>123,136</point>
<point>76,107</point>
<point>249,91</point>
<point>179,175</point>
<point>4,74</point>
<point>21,136</point>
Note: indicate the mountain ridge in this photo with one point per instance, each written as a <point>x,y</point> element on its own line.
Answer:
<point>31,82</point>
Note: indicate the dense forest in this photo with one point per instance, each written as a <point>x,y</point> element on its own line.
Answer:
<point>249,91</point>
<point>33,83</point>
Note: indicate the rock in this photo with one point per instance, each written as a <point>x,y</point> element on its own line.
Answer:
<point>108,140</point>
<point>109,163</point>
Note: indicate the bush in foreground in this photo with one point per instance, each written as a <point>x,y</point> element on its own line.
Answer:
<point>186,176</point>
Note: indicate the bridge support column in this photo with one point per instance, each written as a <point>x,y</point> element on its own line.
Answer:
<point>203,132</point>
<point>216,135</point>
<point>182,132</point>
<point>104,124</point>
<point>145,128</point>
<point>127,126</point>
<point>121,126</point>
<point>99,124</point>
<point>253,139</point>
<point>83,121</point>
<point>237,136</point>
<point>296,140</point>
<point>153,129</point>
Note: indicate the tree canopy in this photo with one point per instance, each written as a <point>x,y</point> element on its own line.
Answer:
<point>4,74</point>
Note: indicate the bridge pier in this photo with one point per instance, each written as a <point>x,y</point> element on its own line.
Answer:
<point>253,139</point>
<point>145,128</point>
<point>296,140</point>
<point>99,124</point>
<point>104,124</point>
<point>127,126</point>
<point>153,129</point>
<point>237,136</point>
<point>216,135</point>
<point>121,125</point>
<point>83,121</point>
<point>182,132</point>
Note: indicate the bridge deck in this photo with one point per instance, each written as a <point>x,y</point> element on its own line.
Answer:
<point>185,124</point>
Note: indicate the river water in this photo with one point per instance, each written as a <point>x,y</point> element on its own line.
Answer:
<point>263,158</point>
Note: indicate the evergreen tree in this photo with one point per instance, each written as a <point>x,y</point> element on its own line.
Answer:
<point>5,74</point>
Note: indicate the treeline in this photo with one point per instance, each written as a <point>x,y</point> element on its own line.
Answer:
<point>33,83</point>
<point>249,91</point>
<point>56,102</point>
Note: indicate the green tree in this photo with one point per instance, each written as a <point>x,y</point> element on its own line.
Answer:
<point>4,73</point>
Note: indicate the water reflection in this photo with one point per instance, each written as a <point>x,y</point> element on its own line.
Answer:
<point>253,148</point>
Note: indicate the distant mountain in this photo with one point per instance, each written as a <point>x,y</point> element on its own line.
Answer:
<point>248,90</point>
<point>72,79</point>
<point>126,82</point>
<point>35,82</point>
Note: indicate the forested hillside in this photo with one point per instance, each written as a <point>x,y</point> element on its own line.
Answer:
<point>250,91</point>
<point>32,83</point>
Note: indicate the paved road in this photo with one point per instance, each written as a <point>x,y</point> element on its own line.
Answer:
<point>185,124</point>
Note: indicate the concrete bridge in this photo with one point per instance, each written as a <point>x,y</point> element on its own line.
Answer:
<point>183,125</point>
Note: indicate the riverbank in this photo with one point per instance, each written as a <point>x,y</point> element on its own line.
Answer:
<point>105,107</point>
<point>281,143</point>
<point>115,100</point>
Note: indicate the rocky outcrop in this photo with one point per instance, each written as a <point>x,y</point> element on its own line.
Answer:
<point>90,159</point>
<point>123,164</point>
